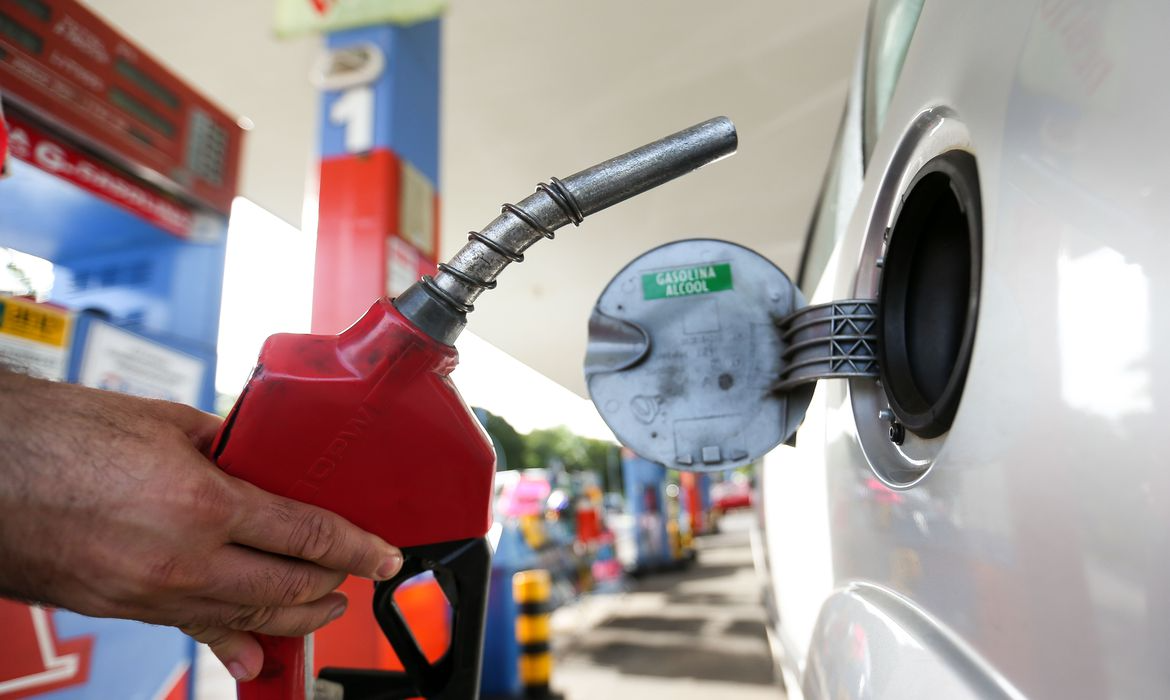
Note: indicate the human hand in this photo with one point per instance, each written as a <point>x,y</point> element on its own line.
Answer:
<point>111,509</point>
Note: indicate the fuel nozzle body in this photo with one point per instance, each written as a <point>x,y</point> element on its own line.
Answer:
<point>367,424</point>
<point>439,305</point>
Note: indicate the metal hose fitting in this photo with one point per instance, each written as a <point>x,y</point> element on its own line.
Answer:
<point>439,305</point>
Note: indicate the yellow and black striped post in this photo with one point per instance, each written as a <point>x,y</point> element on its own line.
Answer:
<point>531,590</point>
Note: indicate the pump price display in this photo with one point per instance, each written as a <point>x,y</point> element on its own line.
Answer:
<point>66,66</point>
<point>686,281</point>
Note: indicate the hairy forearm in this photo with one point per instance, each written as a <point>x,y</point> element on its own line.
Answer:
<point>109,506</point>
<point>19,578</point>
<point>48,432</point>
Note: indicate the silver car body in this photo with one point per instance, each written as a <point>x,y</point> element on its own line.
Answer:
<point>1031,558</point>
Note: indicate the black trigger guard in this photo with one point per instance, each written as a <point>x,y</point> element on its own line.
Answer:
<point>462,569</point>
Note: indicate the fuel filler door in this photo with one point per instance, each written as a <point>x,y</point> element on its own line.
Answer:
<point>703,355</point>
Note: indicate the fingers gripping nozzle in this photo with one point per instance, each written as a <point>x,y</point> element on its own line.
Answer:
<point>439,305</point>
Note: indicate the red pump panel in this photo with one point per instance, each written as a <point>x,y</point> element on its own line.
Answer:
<point>366,424</point>
<point>358,207</point>
<point>67,66</point>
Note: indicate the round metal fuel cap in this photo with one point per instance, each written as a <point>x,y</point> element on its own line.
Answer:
<point>684,351</point>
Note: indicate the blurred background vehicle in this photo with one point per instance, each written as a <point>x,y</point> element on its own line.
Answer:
<point>732,493</point>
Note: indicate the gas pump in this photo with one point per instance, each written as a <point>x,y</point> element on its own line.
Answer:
<point>368,424</point>
<point>696,499</point>
<point>122,176</point>
<point>648,545</point>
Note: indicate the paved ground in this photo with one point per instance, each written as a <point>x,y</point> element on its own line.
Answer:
<point>692,634</point>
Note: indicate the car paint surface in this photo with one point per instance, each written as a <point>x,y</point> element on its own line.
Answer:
<point>1033,559</point>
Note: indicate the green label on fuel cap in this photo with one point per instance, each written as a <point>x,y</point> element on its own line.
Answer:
<point>686,281</point>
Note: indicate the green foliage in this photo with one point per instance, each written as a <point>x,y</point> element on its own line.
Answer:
<point>507,440</point>
<point>552,446</point>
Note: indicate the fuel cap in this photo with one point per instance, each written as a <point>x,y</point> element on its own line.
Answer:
<point>684,354</point>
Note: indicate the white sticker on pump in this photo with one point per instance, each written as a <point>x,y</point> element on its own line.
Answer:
<point>121,361</point>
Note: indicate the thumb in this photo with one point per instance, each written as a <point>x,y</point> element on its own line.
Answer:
<point>239,652</point>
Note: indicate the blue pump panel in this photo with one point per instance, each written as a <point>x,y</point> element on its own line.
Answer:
<point>114,263</point>
<point>129,660</point>
<point>147,322</point>
<point>644,483</point>
<point>50,218</point>
<point>406,95</point>
<point>107,356</point>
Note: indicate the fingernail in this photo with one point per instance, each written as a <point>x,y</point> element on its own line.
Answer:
<point>337,612</point>
<point>237,670</point>
<point>389,567</point>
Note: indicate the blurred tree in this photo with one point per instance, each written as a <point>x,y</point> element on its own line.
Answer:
<point>507,440</point>
<point>577,453</point>
<point>549,447</point>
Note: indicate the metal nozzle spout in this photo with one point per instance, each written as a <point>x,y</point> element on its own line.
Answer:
<point>645,168</point>
<point>439,305</point>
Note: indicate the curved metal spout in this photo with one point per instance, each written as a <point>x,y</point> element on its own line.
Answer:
<point>439,305</point>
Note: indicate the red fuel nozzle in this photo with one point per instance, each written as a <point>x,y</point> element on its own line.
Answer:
<point>367,424</point>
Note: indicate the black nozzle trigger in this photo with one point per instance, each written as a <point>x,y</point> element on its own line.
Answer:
<point>462,569</point>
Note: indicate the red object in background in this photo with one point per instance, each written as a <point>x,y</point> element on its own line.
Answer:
<point>37,147</point>
<point>35,661</point>
<point>365,424</point>
<point>3,142</point>
<point>882,493</point>
<point>426,610</point>
<point>65,64</point>
<point>358,205</point>
<point>358,237</point>
<point>692,500</point>
<point>588,524</point>
<point>180,685</point>
<point>729,495</point>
